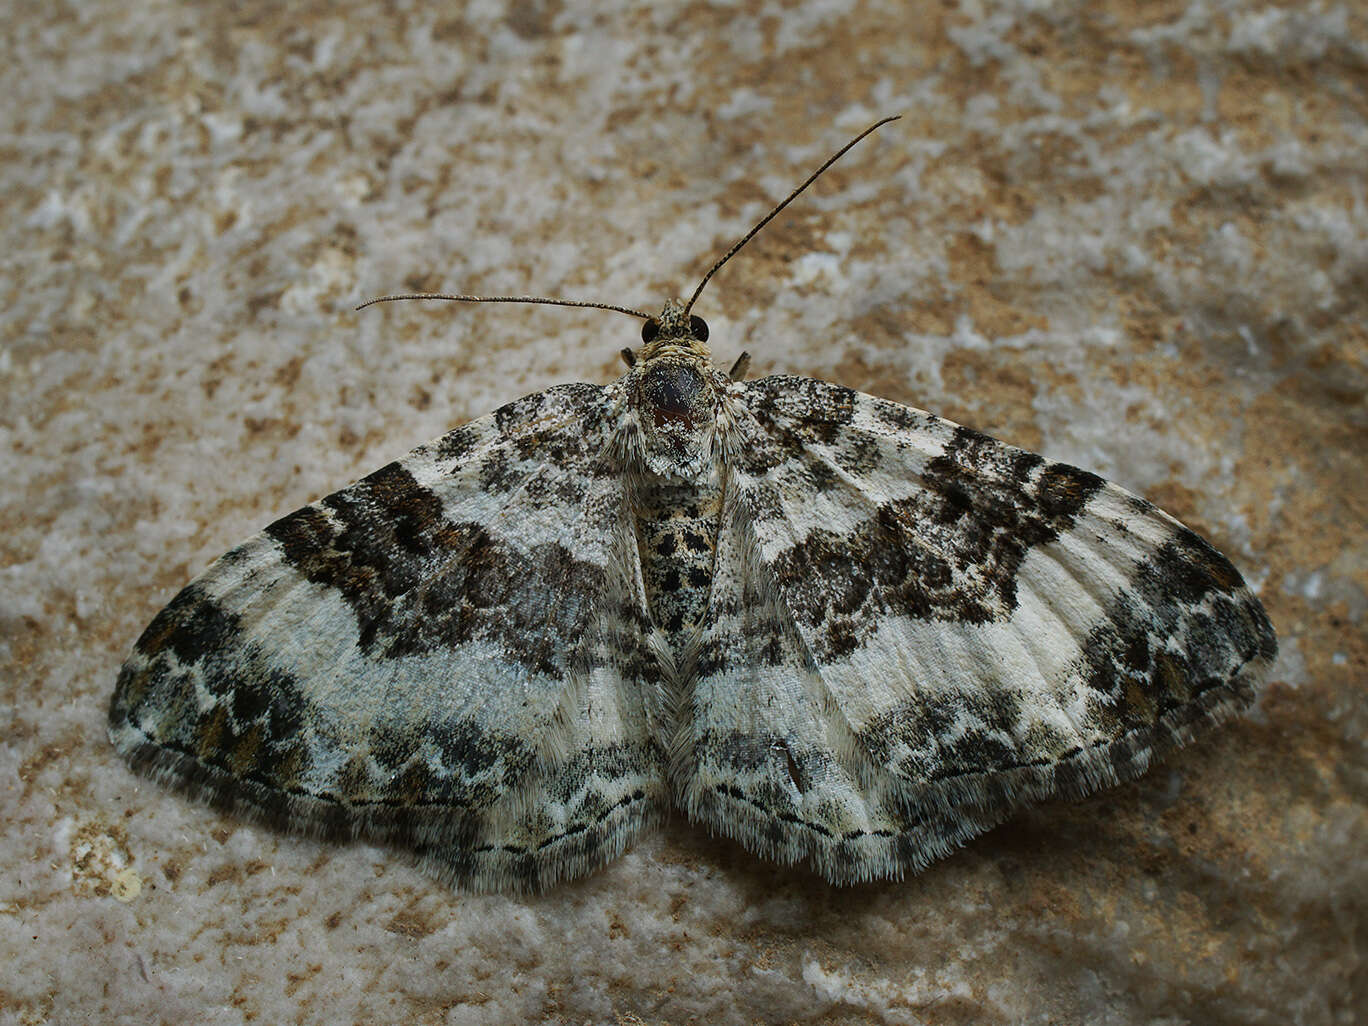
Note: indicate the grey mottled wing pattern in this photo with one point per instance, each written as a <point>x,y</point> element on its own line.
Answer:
<point>916,629</point>
<point>443,655</point>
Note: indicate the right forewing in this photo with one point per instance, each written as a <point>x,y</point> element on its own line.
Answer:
<point>916,628</point>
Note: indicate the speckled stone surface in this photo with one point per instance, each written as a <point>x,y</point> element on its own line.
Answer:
<point>1133,237</point>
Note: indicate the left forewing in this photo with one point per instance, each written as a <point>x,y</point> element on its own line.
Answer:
<point>438,655</point>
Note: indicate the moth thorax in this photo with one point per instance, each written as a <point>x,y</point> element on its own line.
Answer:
<point>675,402</point>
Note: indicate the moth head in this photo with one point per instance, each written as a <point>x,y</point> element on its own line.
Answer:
<point>673,325</point>
<point>674,331</point>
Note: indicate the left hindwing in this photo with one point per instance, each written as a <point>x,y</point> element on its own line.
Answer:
<point>931,627</point>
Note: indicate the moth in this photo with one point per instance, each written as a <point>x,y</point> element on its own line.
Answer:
<point>842,631</point>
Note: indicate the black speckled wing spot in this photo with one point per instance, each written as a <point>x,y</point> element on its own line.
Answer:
<point>914,629</point>
<point>447,655</point>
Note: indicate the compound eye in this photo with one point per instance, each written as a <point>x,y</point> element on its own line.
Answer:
<point>699,327</point>
<point>650,330</point>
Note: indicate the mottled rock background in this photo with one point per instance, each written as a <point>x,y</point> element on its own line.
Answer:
<point>1131,236</point>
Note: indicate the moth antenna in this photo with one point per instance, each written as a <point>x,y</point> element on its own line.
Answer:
<point>451,297</point>
<point>787,200</point>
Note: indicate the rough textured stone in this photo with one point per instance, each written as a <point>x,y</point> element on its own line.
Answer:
<point>1131,237</point>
